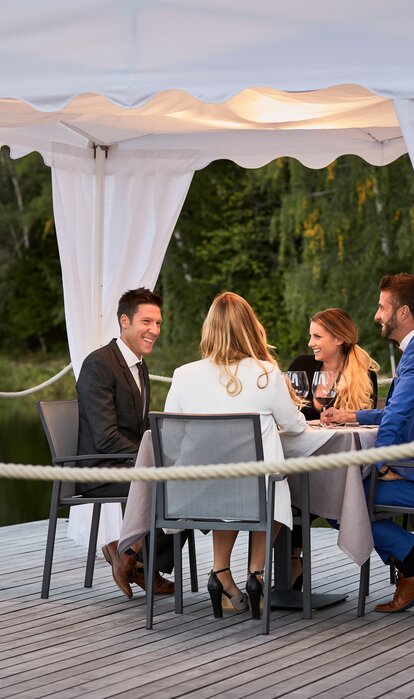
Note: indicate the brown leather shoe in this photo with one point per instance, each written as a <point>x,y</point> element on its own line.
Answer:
<point>122,567</point>
<point>403,596</point>
<point>162,586</point>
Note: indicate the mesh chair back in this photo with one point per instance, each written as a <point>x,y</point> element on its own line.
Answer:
<point>183,440</point>
<point>60,423</point>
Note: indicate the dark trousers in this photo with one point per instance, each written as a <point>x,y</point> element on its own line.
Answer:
<point>164,558</point>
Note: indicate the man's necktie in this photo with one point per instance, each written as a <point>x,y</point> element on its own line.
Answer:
<point>142,385</point>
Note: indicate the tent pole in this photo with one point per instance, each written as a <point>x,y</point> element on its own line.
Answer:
<point>101,153</point>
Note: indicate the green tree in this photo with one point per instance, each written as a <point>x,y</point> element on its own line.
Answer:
<point>31,299</point>
<point>341,229</point>
<point>292,241</point>
<point>224,240</point>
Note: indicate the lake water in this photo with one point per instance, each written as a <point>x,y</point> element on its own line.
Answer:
<point>22,441</point>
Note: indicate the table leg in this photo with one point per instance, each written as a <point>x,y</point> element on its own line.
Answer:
<point>282,596</point>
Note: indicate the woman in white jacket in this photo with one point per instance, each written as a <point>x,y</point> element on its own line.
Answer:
<point>237,373</point>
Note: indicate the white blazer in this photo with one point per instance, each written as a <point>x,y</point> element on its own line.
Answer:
<point>200,387</point>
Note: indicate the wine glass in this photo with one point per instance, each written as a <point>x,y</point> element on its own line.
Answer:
<point>299,381</point>
<point>324,388</point>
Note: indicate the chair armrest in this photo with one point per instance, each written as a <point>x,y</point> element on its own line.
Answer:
<point>93,457</point>
<point>275,477</point>
<point>400,464</point>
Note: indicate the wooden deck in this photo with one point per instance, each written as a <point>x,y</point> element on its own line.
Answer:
<point>93,643</point>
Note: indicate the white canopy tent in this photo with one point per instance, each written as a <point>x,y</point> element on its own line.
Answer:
<point>164,87</point>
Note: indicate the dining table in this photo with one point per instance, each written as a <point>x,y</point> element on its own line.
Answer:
<point>336,494</point>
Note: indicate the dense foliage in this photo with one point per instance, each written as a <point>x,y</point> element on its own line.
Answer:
<point>31,299</point>
<point>290,239</point>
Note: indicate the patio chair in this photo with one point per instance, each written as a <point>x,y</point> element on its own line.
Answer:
<point>374,509</point>
<point>216,504</point>
<point>60,423</point>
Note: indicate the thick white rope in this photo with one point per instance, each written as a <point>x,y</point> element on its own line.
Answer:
<point>253,468</point>
<point>164,379</point>
<point>39,387</point>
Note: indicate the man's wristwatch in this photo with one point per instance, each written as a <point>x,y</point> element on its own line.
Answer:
<point>381,474</point>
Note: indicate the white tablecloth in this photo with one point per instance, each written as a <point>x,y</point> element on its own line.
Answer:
<point>337,494</point>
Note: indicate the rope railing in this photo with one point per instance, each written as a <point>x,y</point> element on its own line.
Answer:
<point>56,377</point>
<point>39,387</point>
<point>254,468</point>
<point>164,379</point>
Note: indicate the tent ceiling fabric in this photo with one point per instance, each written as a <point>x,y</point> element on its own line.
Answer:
<point>132,50</point>
<point>127,72</point>
<point>275,123</point>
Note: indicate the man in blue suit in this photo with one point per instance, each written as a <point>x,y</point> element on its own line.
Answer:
<point>396,425</point>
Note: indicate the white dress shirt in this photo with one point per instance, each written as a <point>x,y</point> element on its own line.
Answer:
<point>406,340</point>
<point>131,360</point>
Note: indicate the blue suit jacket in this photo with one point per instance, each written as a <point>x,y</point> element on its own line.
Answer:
<point>396,420</point>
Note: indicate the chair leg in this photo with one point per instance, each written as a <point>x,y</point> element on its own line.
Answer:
<point>145,558</point>
<point>93,539</point>
<point>363,587</point>
<point>152,539</point>
<point>268,557</point>
<point>50,542</point>
<point>306,543</point>
<point>192,560</point>
<point>178,573</point>
<point>393,574</point>
<point>367,577</point>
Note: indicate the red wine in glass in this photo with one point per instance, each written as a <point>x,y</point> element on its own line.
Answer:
<point>324,388</point>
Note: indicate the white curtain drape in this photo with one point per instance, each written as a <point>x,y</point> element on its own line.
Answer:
<point>114,218</point>
<point>113,237</point>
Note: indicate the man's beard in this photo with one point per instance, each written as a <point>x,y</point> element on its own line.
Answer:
<point>389,327</point>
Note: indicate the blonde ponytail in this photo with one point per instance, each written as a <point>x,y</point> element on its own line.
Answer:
<point>354,390</point>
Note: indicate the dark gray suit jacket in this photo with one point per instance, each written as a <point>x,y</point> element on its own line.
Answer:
<point>112,418</point>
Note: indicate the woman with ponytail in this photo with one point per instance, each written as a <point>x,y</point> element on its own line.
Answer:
<point>333,341</point>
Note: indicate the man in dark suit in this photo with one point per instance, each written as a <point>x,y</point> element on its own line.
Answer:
<point>395,426</point>
<point>113,394</point>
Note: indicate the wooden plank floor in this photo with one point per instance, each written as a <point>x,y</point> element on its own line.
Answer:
<point>93,643</point>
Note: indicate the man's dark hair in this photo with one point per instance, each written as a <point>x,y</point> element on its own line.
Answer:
<point>129,302</point>
<point>401,287</point>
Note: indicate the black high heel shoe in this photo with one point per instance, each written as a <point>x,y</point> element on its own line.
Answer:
<point>220,599</point>
<point>254,589</point>
<point>298,581</point>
